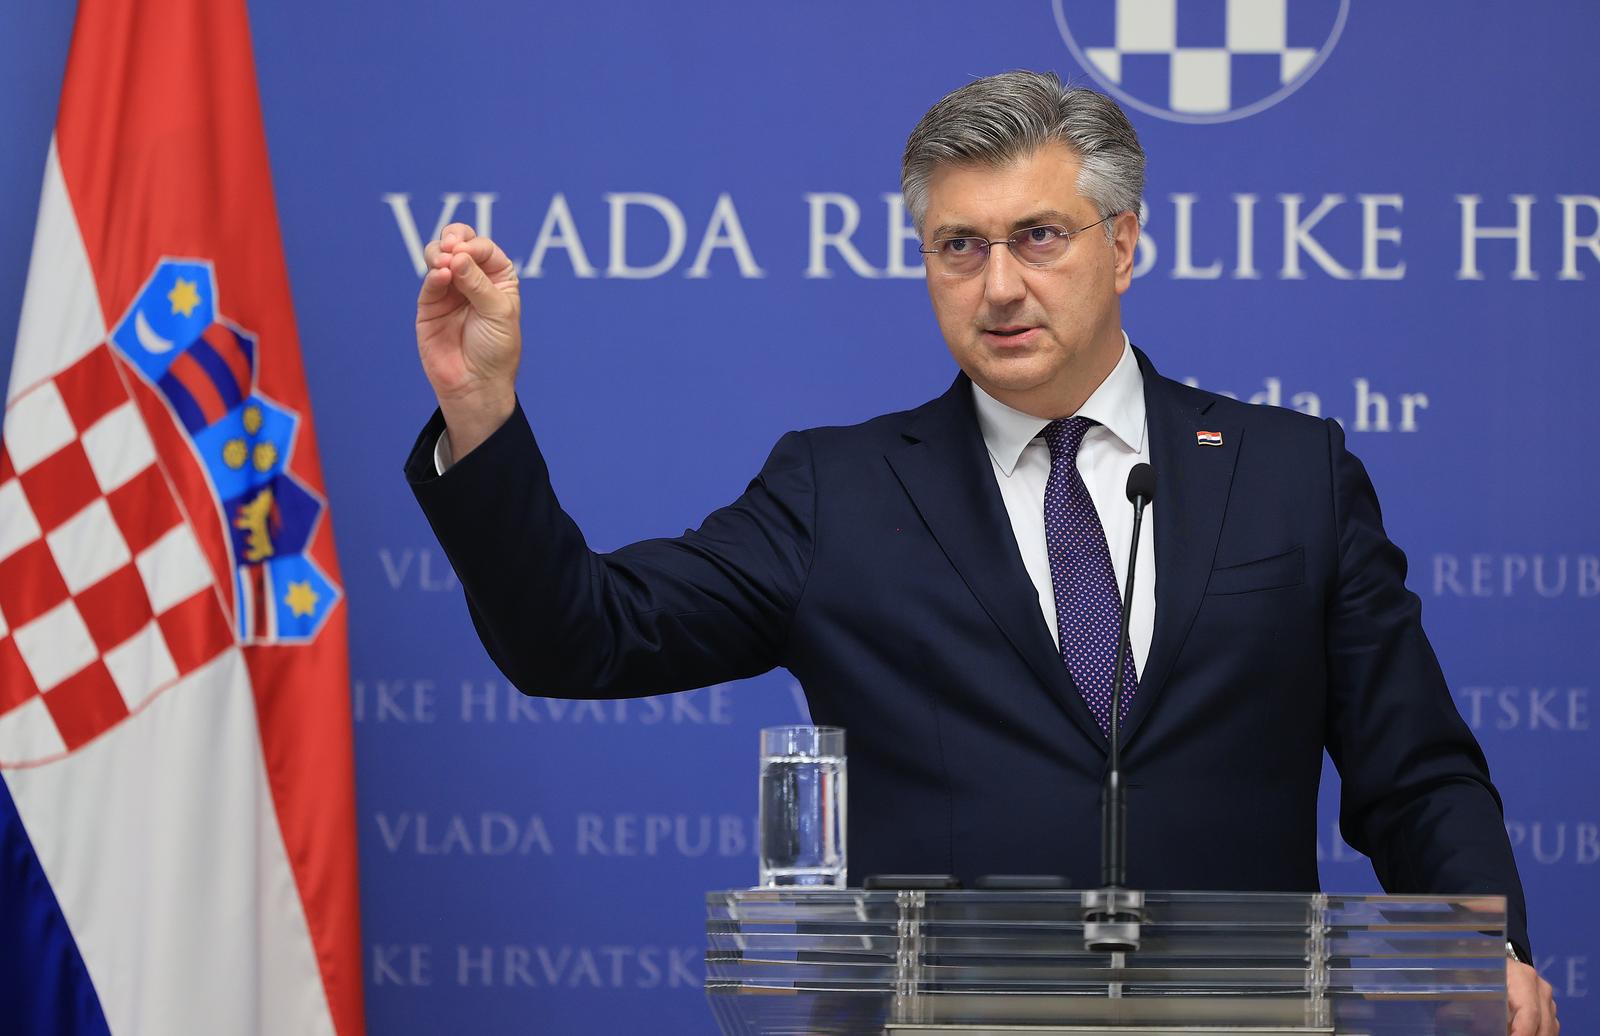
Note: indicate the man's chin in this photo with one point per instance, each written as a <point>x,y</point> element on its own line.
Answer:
<point>1017,373</point>
<point>1007,385</point>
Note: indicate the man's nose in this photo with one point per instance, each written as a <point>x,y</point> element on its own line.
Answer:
<point>1002,277</point>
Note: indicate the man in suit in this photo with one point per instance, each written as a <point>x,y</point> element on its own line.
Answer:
<point>944,582</point>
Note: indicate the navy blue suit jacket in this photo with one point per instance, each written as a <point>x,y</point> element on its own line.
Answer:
<point>878,565</point>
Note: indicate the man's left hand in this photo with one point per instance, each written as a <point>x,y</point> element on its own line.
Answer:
<point>1530,1002</point>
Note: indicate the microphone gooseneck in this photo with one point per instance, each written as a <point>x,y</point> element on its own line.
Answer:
<point>1141,491</point>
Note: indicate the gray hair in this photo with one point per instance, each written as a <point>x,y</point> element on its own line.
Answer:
<point>1004,117</point>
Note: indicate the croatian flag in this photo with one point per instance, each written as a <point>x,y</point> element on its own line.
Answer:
<point>177,824</point>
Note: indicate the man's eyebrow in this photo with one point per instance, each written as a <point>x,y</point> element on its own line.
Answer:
<point>1033,219</point>
<point>1045,218</point>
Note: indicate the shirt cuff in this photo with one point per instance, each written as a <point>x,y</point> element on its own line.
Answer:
<point>443,458</point>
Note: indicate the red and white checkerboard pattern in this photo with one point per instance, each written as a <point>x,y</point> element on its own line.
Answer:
<point>105,595</point>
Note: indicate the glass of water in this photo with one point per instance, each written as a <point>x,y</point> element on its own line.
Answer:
<point>802,807</point>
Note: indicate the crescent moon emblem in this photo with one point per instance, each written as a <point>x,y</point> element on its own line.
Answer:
<point>148,338</point>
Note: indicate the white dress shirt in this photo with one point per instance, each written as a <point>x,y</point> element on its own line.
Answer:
<point>1021,463</point>
<point>443,456</point>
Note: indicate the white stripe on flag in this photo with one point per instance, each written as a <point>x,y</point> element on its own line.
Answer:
<point>162,845</point>
<point>61,318</point>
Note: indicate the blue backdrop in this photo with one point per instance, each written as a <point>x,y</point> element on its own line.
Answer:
<point>1406,241</point>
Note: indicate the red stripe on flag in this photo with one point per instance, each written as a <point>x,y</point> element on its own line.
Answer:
<point>255,602</point>
<point>261,601</point>
<point>225,344</point>
<point>193,377</point>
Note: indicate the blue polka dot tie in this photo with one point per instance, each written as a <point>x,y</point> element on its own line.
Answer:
<point>1088,606</point>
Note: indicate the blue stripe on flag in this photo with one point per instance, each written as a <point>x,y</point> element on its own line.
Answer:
<point>188,410</point>
<point>44,986</point>
<point>221,374</point>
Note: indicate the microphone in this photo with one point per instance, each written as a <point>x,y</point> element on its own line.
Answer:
<point>1114,913</point>
<point>1141,484</point>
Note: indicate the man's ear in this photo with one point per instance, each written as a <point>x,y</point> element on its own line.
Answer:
<point>1124,244</point>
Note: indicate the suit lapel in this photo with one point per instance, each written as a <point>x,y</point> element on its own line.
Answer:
<point>1192,484</point>
<point>945,469</point>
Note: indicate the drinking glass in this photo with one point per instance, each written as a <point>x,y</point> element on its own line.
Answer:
<point>802,807</point>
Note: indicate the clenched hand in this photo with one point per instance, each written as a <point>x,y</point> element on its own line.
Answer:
<point>469,333</point>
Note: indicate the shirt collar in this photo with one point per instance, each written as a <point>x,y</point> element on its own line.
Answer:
<point>1117,404</point>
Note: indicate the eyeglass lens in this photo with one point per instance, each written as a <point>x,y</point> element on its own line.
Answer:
<point>1036,246</point>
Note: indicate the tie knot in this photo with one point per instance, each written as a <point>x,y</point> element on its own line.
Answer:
<point>1064,435</point>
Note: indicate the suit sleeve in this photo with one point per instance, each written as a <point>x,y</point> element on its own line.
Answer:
<point>1416,795</point>
<point>661,615</point>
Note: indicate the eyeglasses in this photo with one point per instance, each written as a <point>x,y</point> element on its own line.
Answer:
<point>1035,246</point>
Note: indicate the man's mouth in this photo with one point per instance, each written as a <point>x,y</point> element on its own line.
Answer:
<point>1010,331</point>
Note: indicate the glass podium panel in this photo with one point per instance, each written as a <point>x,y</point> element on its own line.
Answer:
<point>846,962</point>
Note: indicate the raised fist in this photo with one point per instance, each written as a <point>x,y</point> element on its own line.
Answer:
<point>469,333</point>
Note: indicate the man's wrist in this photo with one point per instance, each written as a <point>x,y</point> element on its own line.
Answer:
<point>469,421</point>
<point>1517,953</point>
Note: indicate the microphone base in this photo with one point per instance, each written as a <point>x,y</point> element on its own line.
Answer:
<point>1112,919</point>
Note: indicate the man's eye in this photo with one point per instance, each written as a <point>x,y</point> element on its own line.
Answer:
<point>958,245</point>
<point>1039,235</point>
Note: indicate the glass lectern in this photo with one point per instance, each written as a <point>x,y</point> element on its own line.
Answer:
<point>846,962</point>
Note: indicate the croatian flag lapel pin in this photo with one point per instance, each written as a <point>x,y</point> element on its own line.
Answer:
<point>1208,438</point>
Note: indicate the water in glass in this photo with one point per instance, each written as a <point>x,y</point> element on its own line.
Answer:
<point>803,810</point>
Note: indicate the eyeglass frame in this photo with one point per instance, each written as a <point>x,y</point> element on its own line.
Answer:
<point>988,245</point>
